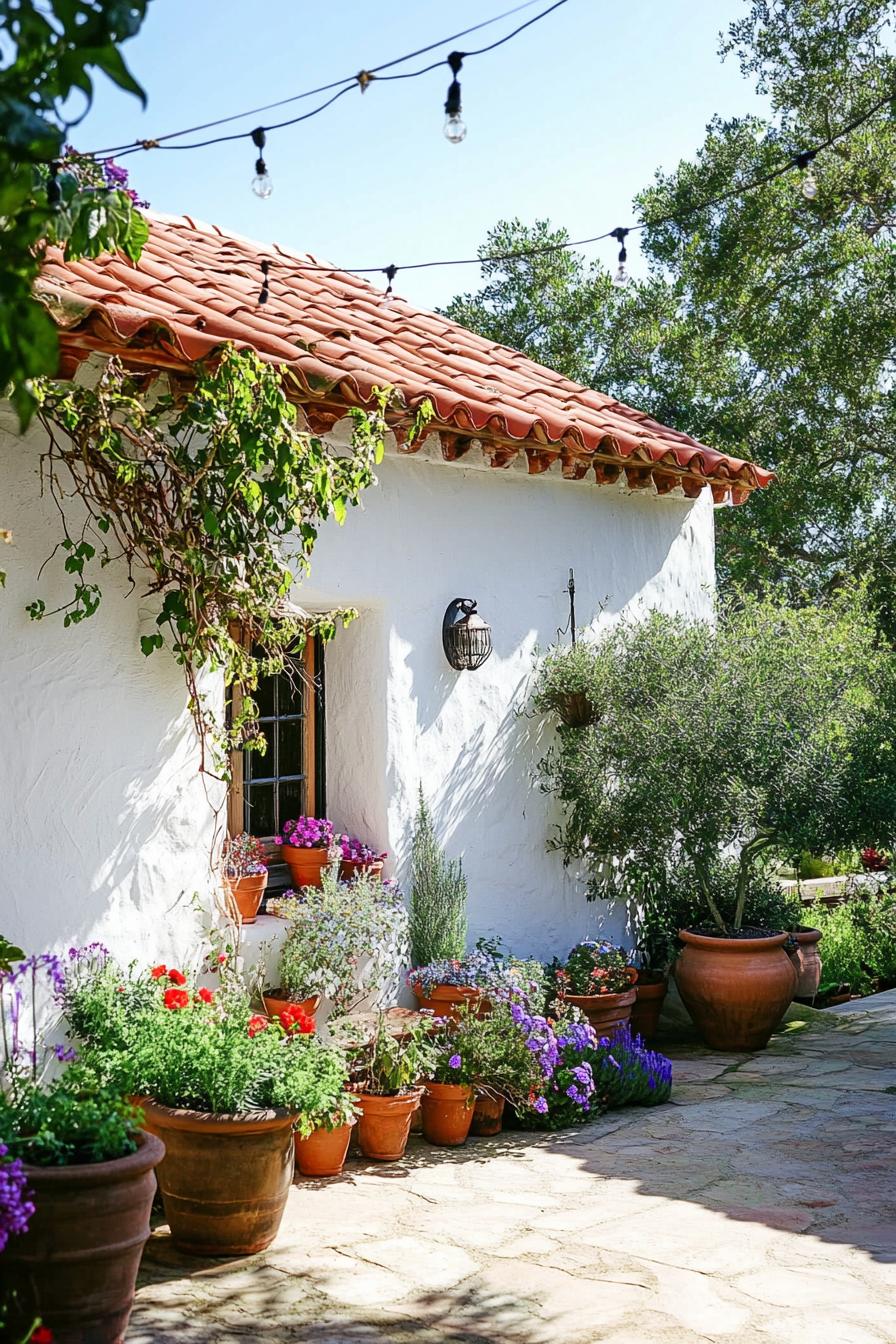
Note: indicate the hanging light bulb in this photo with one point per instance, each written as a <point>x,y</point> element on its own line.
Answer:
<point>809,183</point>
<point>621,278</point>
<point>261,182</point>
<point>388,298</point>
<point>454,128</point>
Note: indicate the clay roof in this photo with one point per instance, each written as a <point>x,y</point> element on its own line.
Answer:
<point>197,286</point>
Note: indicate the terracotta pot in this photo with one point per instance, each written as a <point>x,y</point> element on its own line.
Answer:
<point>807,962</point>
<point>445,1000</point>
<point>323,1153</point>
<point>606,1012</point>
<point>305,865</point>
<point>735,989</point>
<point>447,1113</point>
<point>276,1000</point>
<point>385,1123</point>
<point>488,1115</point>
<point>77,1264</point>
<point>247,893</point>
<point>225,1178</point>
<point>350,868</point>
<point>648,1005</point>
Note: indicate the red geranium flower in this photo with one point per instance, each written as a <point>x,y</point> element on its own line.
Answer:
<point>177,977</point>
<point>222,957</point>
<point>293,1020</point>
<point>256,1024</point>
<point>176,998</point>
<point>158,971</point>
<point>42,1335</point>
<point>205,995</point>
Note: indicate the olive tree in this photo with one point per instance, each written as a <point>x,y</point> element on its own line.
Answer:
<point>716,747</point>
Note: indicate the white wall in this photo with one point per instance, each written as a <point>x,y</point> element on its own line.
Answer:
<point>399,715</point>
<point>106,828</point>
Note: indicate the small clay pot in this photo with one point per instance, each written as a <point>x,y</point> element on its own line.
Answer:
<point>605,1012</point>
<point>277,1000</point>
<point>645,1017</point>
<point>488,1115</point>
<point>76,1266</point>
<point>447,1113</point>
<point>350,868</point>
<point>323,1153</point>
<point>225,1179</point>
<point>385,1123</point>
<point>246,893</point>
<point>445,1001</point>
<point>305,865</point>
<point>807,962</point>
<point>735,989</point>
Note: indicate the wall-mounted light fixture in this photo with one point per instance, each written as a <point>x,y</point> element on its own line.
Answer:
<point>466,638</point>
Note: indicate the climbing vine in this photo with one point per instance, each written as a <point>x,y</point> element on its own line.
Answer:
<point>212,495</point>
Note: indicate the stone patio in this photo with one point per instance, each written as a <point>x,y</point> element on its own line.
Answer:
<point>760,1206</point>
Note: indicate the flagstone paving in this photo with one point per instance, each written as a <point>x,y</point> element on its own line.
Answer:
<point>758,1207</point>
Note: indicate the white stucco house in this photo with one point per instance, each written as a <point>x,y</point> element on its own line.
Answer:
<point>521,477</point>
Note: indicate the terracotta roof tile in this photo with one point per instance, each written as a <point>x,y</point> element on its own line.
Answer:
<point>197,286</point>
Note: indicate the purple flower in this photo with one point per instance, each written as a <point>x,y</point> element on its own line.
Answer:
<point>15,1206</point>
<point>454,1062</point>
<point>540,1104</point>
<point>66,1054</point>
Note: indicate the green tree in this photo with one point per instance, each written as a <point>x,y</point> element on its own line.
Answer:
<point>438,913</point>
<point>50,51</point>
<point>766,325</point>
<point>758,737</point>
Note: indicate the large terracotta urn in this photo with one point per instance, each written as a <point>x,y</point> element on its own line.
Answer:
<point>808,963</point>
<point>606,1013</point>
<point>735,989</point>
<point>225,1179</point>
<point>76,1266</point>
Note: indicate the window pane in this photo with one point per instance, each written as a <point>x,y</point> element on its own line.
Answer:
<point>292,689</point>
<point>289,737</point>
<point>265,697</point>
<point>292,800</point>
<point>260,820</point>
<point>263,766</point>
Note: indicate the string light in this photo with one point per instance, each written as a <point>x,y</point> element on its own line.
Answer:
<point>390,273</point>
<point>261,182</point>
<point>454,127</point>
<point>620,279</point>
<point>809,184</point>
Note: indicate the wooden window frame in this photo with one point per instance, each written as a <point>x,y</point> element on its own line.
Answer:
<point>312,747</point>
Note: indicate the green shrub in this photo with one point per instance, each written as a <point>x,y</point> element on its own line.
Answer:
<point>438,914</point>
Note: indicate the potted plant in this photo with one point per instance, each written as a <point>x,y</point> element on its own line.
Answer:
<point>357,857</point>
<point>76,1145</point>
<point>438,906</point>
<point>326,1119</point>
<point>305,846</point>
<point>344,941</point>
<point>447,1102</point>
<point>245,875</point>
<point>385,1072</point>
<point>597,979</point>
<point>443,987</point>
<point>784,743</point>
<point>566,685</point>
<point>806,960</point>
<point>222,1086</point>
<point>509,1055</point>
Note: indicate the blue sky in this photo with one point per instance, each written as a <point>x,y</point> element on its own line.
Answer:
<point>565,122</point>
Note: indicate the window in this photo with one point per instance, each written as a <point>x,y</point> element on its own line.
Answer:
<point>288,780</point>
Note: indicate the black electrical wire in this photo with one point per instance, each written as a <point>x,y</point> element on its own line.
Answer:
<point>351,81</point>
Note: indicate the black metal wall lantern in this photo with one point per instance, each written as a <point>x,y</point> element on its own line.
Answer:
<point>466,638</point>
